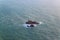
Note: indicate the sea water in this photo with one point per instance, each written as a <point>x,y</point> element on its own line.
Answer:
<point>14,13</point>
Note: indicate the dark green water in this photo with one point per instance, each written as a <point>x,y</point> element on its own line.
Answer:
<point>13,13</point>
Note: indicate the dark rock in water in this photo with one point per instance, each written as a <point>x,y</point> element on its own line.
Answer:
<point>31,25</point>
<point>31,22</point>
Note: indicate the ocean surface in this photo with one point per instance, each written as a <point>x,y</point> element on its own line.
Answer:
<point>14,13</point>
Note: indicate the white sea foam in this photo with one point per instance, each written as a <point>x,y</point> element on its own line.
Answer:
<point>25,25</point>
<point>40,22</point>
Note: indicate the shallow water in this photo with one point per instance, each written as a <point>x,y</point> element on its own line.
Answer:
<point>14,13</point>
